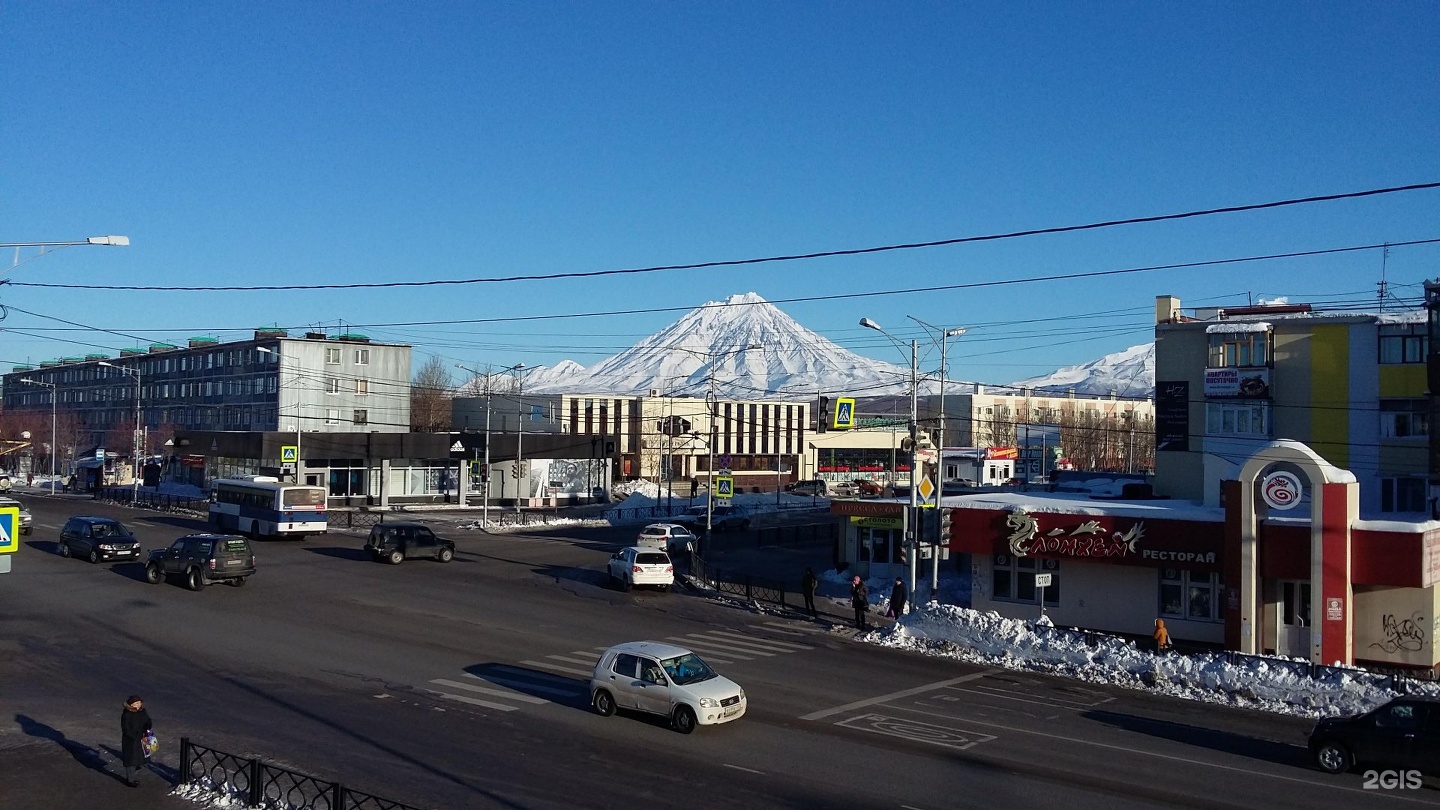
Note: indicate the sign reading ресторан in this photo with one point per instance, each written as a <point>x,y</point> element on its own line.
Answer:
<point>1207,557</point>
<point>1099,538</point>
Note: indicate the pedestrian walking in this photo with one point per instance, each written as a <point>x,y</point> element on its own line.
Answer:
<point>897,599</point>
<point>694,486</point>
<point>860,600</point>
<point>134,725</point>
<point>1162,636</point>
<point>808,584</point>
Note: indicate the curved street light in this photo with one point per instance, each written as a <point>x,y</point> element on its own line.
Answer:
<point>54,397</point>
<point>912,513</point>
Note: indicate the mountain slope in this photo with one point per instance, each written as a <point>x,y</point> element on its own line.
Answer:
<point>1129,373</point>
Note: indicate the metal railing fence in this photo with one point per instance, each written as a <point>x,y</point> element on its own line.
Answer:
<point>263,785</point>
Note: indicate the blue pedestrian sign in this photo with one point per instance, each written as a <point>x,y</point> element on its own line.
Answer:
<point>724,486</point>
<point>9,529</point>
<point>844,413</point>
<point>289,454</point>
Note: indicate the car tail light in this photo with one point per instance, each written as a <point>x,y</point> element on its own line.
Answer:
<point>669,569</point>
<point>211,563</point>
<point>634,569</point>
<point>252,560</point>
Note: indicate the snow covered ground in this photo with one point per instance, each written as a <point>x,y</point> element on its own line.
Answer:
<point>1269,684</point>
<point>646,495</point>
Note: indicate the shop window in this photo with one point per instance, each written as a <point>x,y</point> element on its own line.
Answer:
<point>1014,579</point>
<point>1237,418</point>
<point>1404,419</point>
<point>1190,595</point>
<point>1239,350</point>
<point>882,546</point>
<point>1402,494</point>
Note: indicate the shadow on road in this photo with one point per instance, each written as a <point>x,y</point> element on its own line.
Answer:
<point>1254,747</point>
<point>340,552</point>
<point>82,753</point>
<point>130,570</point>
<point>188,524</point>
<point>47,546</point>
<point>558,689</point>
<point>169,774</point>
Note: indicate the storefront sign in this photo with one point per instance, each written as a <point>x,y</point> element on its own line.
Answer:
<point>1281,490</point>
<point>867,508</point>
<point>1101,538</point>
<point>879,522</point>
<point>1334,609</point>
<point>1172,416</point>
<point>1250,383</point>
<point>1088,539</point>
<point>1002,453</point>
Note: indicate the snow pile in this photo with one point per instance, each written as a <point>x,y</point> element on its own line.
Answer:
<point>1270,684</point>
<point>495,526</point>
<point>649,489</point>
<point>208,793</point>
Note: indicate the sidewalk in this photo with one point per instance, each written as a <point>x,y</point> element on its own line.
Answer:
<point>65,774</point>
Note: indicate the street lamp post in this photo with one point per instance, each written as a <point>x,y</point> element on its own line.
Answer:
<point>912,514</point>
<point>519,369</point>
<point>54,397</point>
<point>489,395</point>
<point>135,479</point>
<point>944,335</point>
<point>298,405</point>
<point>113,241</point>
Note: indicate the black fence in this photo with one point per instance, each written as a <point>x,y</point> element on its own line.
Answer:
<point>150,499</point>
<point>799,535</point>
<point>261,784</point>
<point>752,588</point>
<point>352,519</point>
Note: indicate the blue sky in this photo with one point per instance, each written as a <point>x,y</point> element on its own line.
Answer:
<point>325,143</point>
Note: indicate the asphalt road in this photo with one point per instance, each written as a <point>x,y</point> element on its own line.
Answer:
<point>463,685</point>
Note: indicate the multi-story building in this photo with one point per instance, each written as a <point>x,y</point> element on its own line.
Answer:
<point>339,384</point>
<point>1350,386</point>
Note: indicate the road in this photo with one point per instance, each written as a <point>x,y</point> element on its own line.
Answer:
<point>463,685</point>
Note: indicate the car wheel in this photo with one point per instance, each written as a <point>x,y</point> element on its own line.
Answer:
<point>25,530</point>
<point>446,554</point>
<point>152,574</point>
<point>237,582</point>
<point>396,557</point>
<point>1332,757</point>
<point>94,556</point>
<point>195,580</point>
<point>64,549</point>
<point>628,584</point>
<point>745,525</point>
<point>683,720</point>
<point>604,703</point>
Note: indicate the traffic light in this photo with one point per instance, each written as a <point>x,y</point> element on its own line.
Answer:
<point>609,448</point>
<point>822,423</point>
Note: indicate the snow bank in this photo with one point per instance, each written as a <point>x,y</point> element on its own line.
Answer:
<point>495,526</point>
<point>1269,684</point>
<point>626,489</point>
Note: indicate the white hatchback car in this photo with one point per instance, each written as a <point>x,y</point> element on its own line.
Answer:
<point>669,537</point>
<point>641,566</point>
<point>663,679</point>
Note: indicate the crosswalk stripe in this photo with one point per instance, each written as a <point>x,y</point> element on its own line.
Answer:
<point>544,676</point>
<point>708,649</point>
<point>768,643</point>
<point>589,662</point>
<point>780,628</point>
<point>533,687</point>
<point>742,646</point>
<point>724,646</point>
<point>476,701</point>
<point>546,664</point>
<point>488,691</point>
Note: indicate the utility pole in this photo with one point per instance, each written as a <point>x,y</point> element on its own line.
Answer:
<point>519,434</point>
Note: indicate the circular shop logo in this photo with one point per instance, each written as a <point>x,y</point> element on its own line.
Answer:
<point>1281,490</point>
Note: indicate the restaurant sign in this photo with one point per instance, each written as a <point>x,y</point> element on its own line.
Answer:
<point>1107,538</point>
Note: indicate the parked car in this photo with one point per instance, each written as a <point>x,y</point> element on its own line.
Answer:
<point>397,542</point>
<point>203,559</point>
<point>667,680</point>
<point>670,537</point>
<point>5,482</point>
<point>814,486</point>
<point>722,519</point>
<point>641,566</point>
<point>870,488</point>
<point>98,538</point>
<point>843,489</point>
<point>26,519</point>
<point>1402,734</point>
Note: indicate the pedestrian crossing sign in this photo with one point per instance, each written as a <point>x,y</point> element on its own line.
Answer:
<point>844,413</point>
<point>9,529</point>
<point>289,454</point>
<point>724,486</point>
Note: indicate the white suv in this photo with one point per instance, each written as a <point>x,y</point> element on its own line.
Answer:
<point>667,680</point>
<point>670,537</point>
<point>641,566</point>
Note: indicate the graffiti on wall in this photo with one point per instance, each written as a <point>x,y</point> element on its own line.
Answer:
<point>1399,634</point>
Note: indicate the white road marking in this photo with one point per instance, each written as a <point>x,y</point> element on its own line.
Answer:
<point>1053,703</point>
<point>475,701</point>
<point>533,687</point>
<point>776,627</point>
<point>529,674</point>
<point>728,646</point>
<point>915,731</point>
<point>581,661</point>
<point>707,649</point>
<point>738,768</point>
<point>547,665</point>
<point>902,693</point>
<point>782,646</point>
<point>488,691</point>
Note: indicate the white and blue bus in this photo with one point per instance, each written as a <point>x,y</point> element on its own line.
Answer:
<point>261,506</point>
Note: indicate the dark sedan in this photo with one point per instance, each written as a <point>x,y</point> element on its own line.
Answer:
<point>98,538</point>
<point>1404,733</point>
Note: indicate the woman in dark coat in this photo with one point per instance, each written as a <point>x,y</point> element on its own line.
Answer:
<point>134,722</point>
<point>897,598</point>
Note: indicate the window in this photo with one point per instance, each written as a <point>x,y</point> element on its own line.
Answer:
<point>1402,494</point>
<point>1014,579</point>
<point>1190,595</point>
<point>362,387</point>
<point>332,355</point>
<point>362,417</point>
<point>1242,349</point>
<point>1404,419</point>
<point>332,416</point>
<point>627,666</point>
<point>332,385</point>
<point>537,413</point>
<point>1403,343</point>
<point>1237,418</point>
<point>362,357</point>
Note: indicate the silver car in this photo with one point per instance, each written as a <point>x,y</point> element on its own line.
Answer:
<point>25,518</point>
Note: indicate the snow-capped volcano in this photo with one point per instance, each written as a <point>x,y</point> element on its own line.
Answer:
<point>1129,373</point>
<point>751,347</point>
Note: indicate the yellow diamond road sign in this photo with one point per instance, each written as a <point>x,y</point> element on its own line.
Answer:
<point>926,491</point>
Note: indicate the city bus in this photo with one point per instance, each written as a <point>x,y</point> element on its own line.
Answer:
<point>261,506</point>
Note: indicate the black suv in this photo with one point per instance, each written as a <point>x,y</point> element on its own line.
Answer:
<point>98,538</point>
<point>1404,733</point>
<point>722,518</point>
<point>396,542</point>
<point>203,559</point>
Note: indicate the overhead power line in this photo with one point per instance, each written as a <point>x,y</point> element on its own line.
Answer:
<point>1232,209</point>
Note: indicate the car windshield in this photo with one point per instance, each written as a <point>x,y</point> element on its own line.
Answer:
<point>109,530</point>
<point>687,669</point>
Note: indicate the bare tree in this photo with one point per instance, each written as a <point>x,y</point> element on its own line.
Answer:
<point>430,394</point>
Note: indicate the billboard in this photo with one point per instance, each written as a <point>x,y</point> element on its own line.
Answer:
<point>1249,383</point>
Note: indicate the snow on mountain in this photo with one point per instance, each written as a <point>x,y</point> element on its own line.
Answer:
<point>1129,373</point>
<point>713,338</point>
